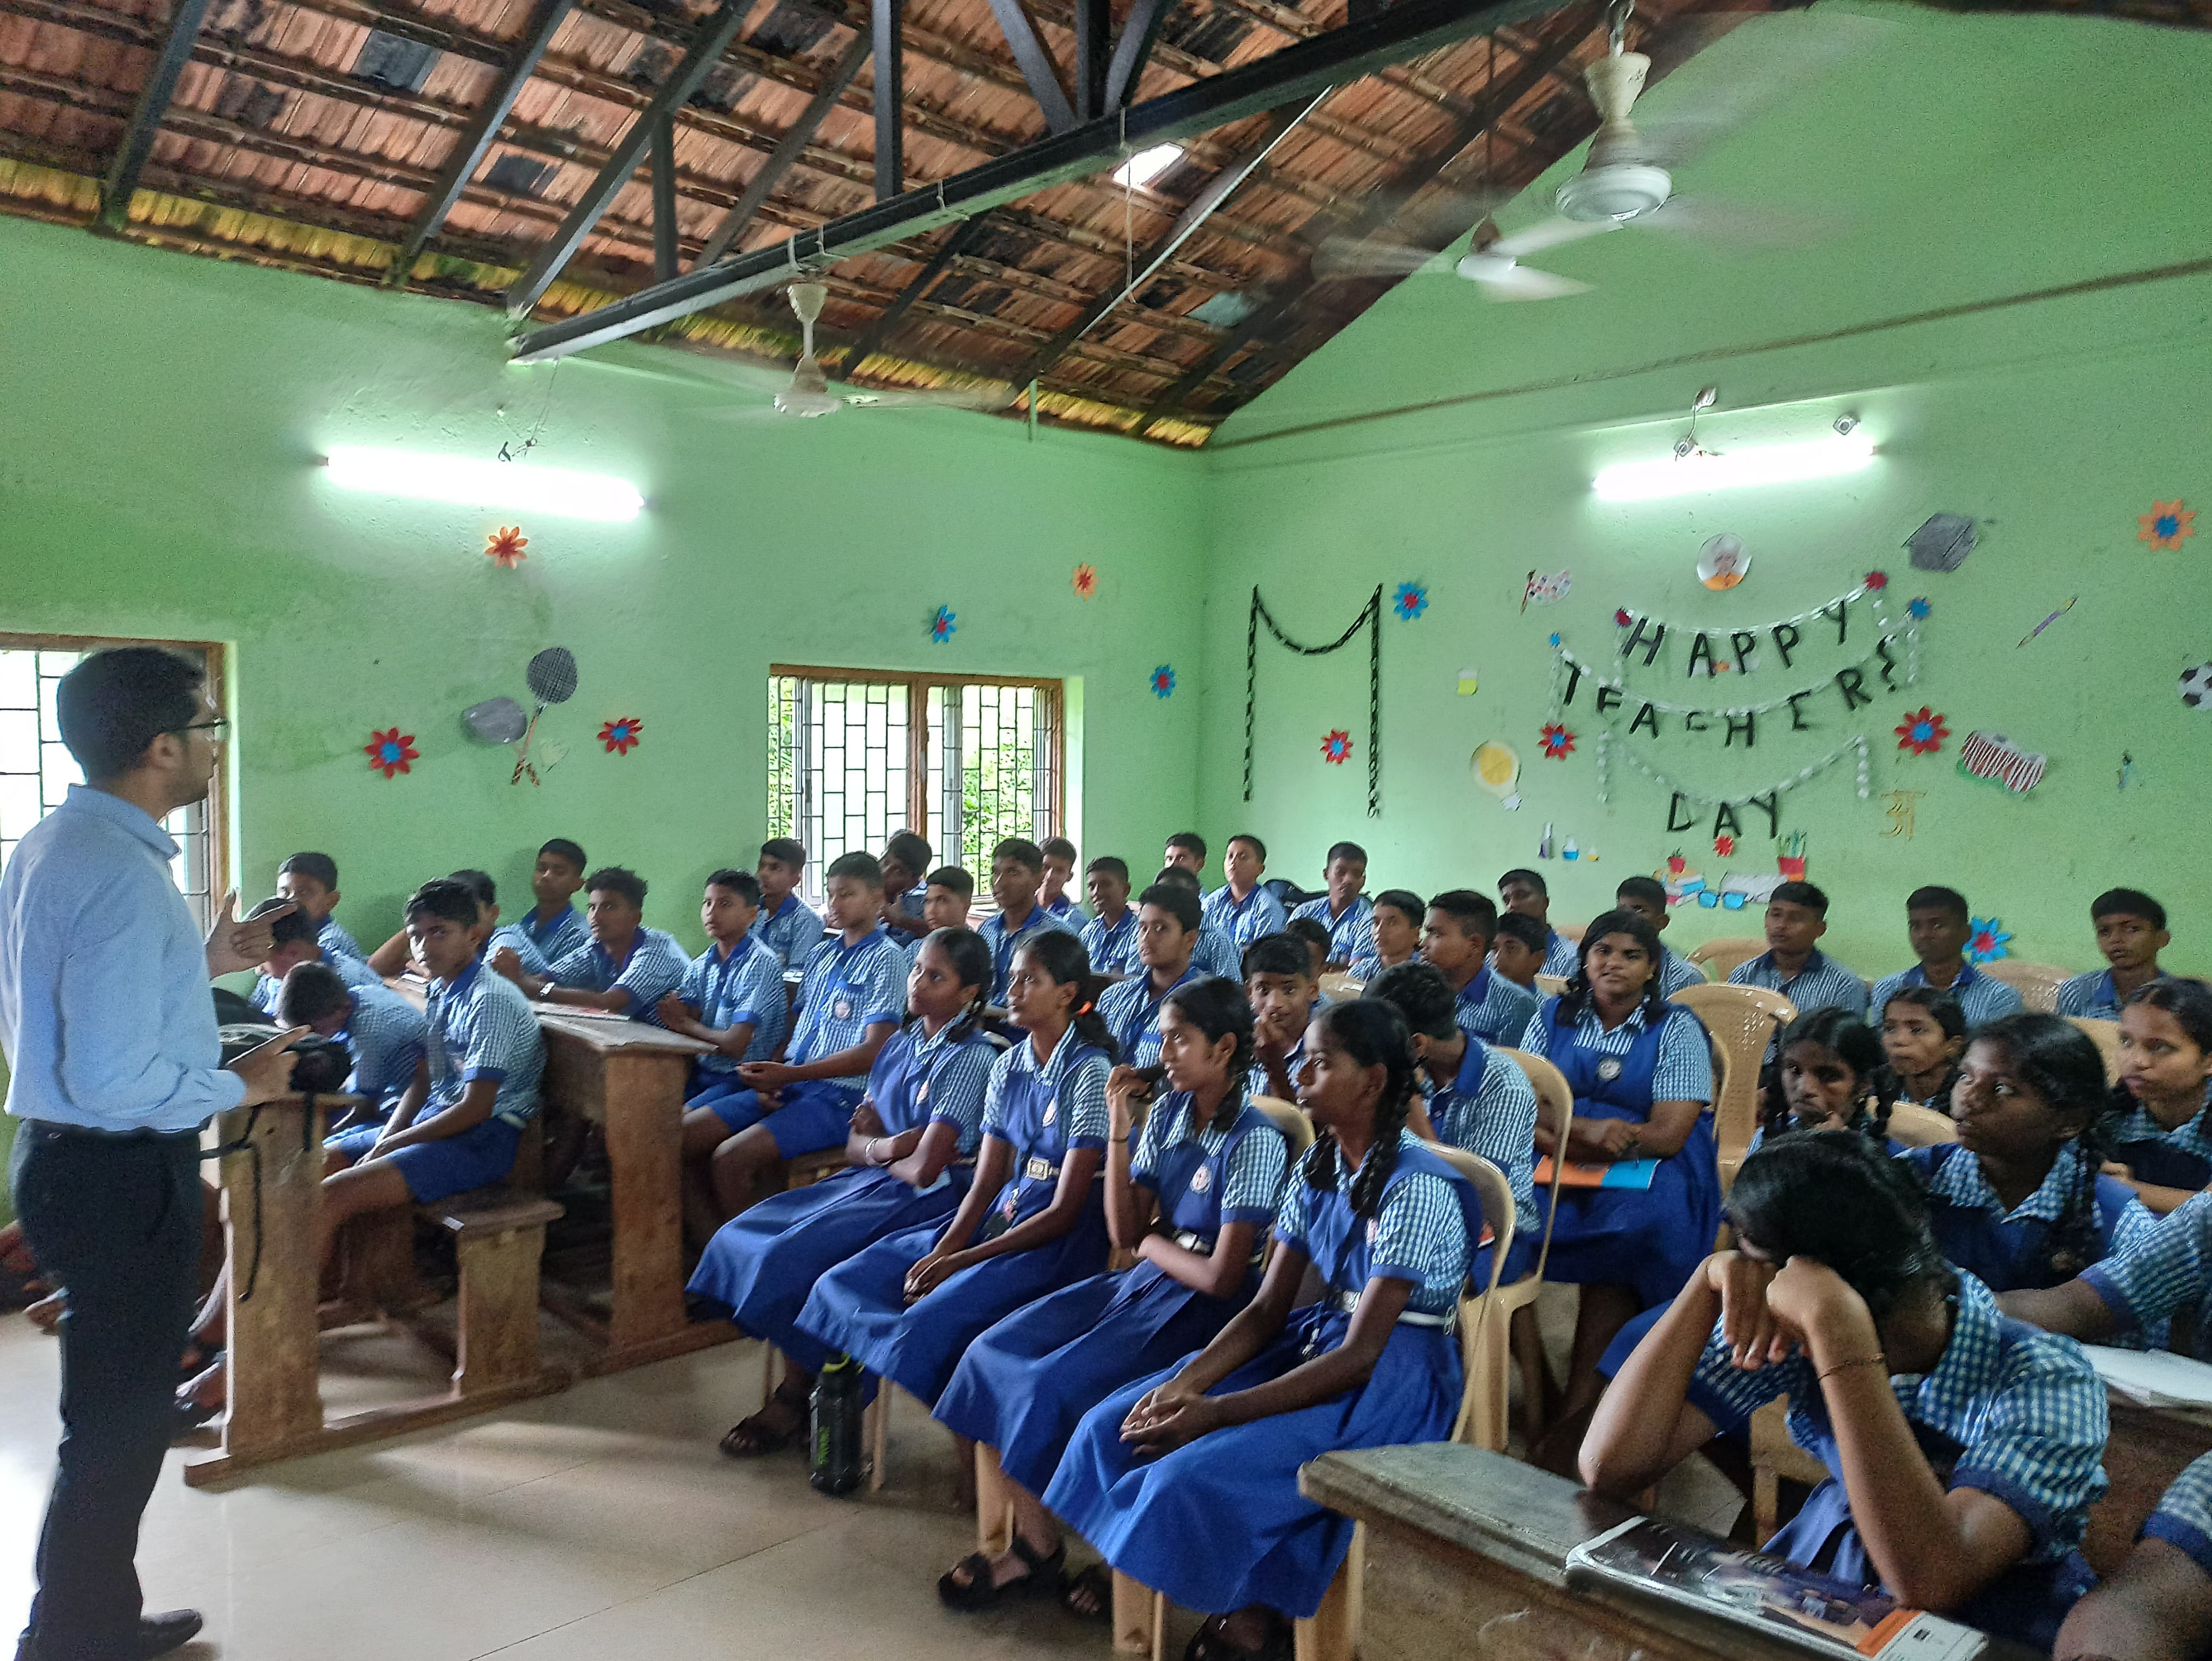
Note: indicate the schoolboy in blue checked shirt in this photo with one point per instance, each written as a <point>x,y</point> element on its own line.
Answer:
<point>1792,965</point>
<point>2130,934</point>
<point>1017,873</point>
<point>310,881</point>
<point>787,926</point>
<point>2157,1606</point>
<point>1524,891</point>
<point>1241,908</point>
<point>1167,929</point>
<point>625,970</point>
<point>1110,937</point>
<point>294,939</point>
<point>733,995</point>
<point>1215,952</point>
<point>387,1036</point>
<point>552,923</point>
<point>1455,938</point>
<point>1647,897</point>
<point>1939,925</point>
<point>1344,910</point>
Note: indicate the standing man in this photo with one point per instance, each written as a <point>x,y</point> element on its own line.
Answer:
<point>110,1036</point>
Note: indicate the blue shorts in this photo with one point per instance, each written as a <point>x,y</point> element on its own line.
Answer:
<point>814,1115</point>
<point>478,1157</point>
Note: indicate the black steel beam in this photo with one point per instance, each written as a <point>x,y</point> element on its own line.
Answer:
<point>887,23</point>
<point>146,118</point>
<point>707,48</point>
<point>1411,28</point>
<point>1141,31</point>
<point>470,147</point>
<point>872,338</point>
<point>1094,45</point>
<point>1034,63</point>
<point>789,149</point>
<point>665,264</point>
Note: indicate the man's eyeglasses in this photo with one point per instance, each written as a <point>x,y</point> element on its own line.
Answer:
<point>217,730</point>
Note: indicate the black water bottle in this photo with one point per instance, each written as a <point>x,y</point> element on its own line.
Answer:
<point>835,1462</point>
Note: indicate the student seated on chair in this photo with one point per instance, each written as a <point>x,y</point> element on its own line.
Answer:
<point>786,925</point>
<point>1167,931</point>
<point>1186,850</point>
<point>1647,897</point>
<point>1455,938</point>
<point>910,1151</point>
<point>295,938</point>
<point>386,1034</point>
<point>1215,953</point>
<point>1828,1075</point>
<point>2158,1606</point>
<point>1516,950</point>
<point>1053,897</point>
<point>552,923</point>
<point>1192,1202</point>
<point>1240,908</point>
<point>1344,910</point>
<point>1016,876</point>
<point>850,1000</point>
<point>948,898</point>
<point>905,864</point>
<point>1965,1450</point>
<point>310,881</point>
<point>1279,983</point>
<point>2130,934</point>
<point>908,1307</point>
<point>1938,923</point>
<point>1524,891</point>
<point>1395,929</point>
<point>1110,937</point>
<point>1186,1480</point>
<point>2157,1132</point>
<point>1313,936</point>
<point>1792,965</point>
<point>397,955</point>
<point>1923,1034</point>
<point>625,969</point>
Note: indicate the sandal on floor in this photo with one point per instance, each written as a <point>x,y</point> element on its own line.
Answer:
<point>187,1418</point>
<point>1096,1583</point>
<point>752,1438</point>
<point>980,1593</point>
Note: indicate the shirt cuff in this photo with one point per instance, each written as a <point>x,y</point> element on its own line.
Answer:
<point>2100,1279</point>
<point>1262,1214</point>
<point>497,1074</point>
<point>2032,1508</point>
<point>1077,1144</point>
<point>2183,1536</point>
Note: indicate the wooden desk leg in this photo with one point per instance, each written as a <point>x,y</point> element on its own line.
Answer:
<point>1139,1617</point>
<point>645,1150</point>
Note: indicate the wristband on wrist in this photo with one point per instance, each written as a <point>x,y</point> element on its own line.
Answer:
<point>1876,1360</point>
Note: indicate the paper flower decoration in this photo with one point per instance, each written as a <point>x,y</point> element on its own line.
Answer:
<point>1917,607</point>
<point>1876,581</point>
<point>504,546</point>
<point>2166,525</point>
<point>1558,742</point>
<point>1724,846</point>
<point>1987,942</point>
<point>1164,682</point>
<point>1676,865</point>
<point>1336,748</point>
<point>1620,616</point>
<point>1086,580</point>
<point>1922,732</point>
<point>1555,640</point>
<point>1410,601</point>
<point>941,626</point>
<point>620,737</point>
<point>390,751</point>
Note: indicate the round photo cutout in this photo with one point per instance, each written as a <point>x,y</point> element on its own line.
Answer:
<point>1722,562</point>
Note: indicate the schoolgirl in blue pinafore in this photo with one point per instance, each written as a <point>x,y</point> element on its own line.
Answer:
<point>1025,1385</point>
<point>1218,1524</point>
<point>1041,1115</point>
<point>2018,1251</point>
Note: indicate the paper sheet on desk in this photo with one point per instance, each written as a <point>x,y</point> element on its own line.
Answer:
<point>2156,1377</point>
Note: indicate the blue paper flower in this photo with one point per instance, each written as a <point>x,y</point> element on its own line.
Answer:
<point>941,627</point>
<point>1410,601</point>
<point>1918,606</point>
<point>1987,942</point>
<point>1555,640</point>
<point>1164,682</point>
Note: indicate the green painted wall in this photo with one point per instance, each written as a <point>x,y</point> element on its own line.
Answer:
<point>1958,161</point>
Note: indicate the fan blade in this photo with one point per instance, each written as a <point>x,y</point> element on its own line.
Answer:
<point>933,397</point>
<point>1522,282</point>
<point>1719,220</point>
<point>1550,234</point>
<point>1343,258</point>
<point>742,412</point>
<point>1778,54</point>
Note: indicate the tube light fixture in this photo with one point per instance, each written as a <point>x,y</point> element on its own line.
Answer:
<point>1146,166</point>
<point>526,487</point>
<point>1729,469</point>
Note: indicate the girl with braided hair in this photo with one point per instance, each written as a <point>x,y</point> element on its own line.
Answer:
<point>1186,1480</point>
<point>1830,1078</point>
<point>1963,1448</point>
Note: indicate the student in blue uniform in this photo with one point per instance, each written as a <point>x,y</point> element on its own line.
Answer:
<point>1016,877</point>
<point>1641,1069</point>
<point>850,1000</point>
<point>905,864</point>
<point>1186,850</point>
<point>2130,934</point>
<point>787,926</point>
<point>2157,1132</point>
<point>295,938</point>
<point>397,955</point>
<point>1167,930</point>
<point>1517,952</point>
<point>948,898</point>
<point>1215,953</point>
<point>1827,1076</point>
<point>1053,897</point>
<point>1110,939</point>
<point>1241,908</point>
<point>1965,1449</point>
<point>1394,933</point>
<point>1034,1220</point>
<point>557,878</point>
<point>1524,891</point>
<point>310,881</point>
<point>1314,937</point>
<point>1343,910</point>
<point>1939,924</point>
<point>1455,936</point>
<point>1193,1202</point>
<point>1187,1481</point>
<point>1279,983</point>
<point>911,1148</point>
<point>625,969</point>
<point>1477,1099</point>
<point>1793,963</point>
<point>2158,1606</point>
<point>386,1034</point>
<point>1647,897</point>
<point>1923,1034</point>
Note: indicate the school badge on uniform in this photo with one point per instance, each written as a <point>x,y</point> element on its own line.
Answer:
<point>1051,1112</point>
<point>1202,1179</point>
<point>1373,1230</point>
<point>1609,1068</point>
<point>842,1009</point>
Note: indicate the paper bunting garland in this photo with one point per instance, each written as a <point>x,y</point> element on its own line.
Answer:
<point>1922,732</point>
<point>1410,601</point>
<point>1370,620</point>
<point>1086,581</point>
<point>2166,525</point>
<point>504,546</point>
<point>1987,941</point>
<point>1558,742</point>
<point>1918,608</point>
<point>1726,817</point>
<point>620,737</point>
<point>389,752</point>
<point>1994,756</point>
<point>1336,748</point>
<point>941,626</point>
<point>1164,682</point>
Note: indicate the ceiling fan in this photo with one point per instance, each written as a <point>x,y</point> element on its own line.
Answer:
<point>811,395</point>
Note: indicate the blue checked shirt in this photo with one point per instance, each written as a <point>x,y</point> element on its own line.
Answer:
<point>2136,1124</point>
<point>1961,1181</point>
<point>1066,911</point>
<point>792,931</point>
<point>517,939</point>
<point>1257,1083</point>
<point>555,940</point>
<point>1131,1010</point>
<point>481,1026</point>
<point>1676,972</point>
<point>2093,996</point>
<point>846,990</point>
<point>958,1077</point>
<point>1112,950</point>
<point>1351,936</point>
<point>1077,1083</point>
<point>653,968</point>
<point>1494,1009</point>
<point>1419,1235</point>
<point>1254,1183</point>
<point>352,971</point>
<point>2183,1517</point>
<point>746,986</point>
<point>1217,954</point>
<point>2026,1407</point>
<point>337,943</point>
<point>1982,998</point>
<point>1562,956</point>
<point>1005,943</point>
<point>1259,913</point>
<point>1496,1119</point>
<point>1684,1072</point>
<point>2161,1269</point>
<point>387,1036</point>
<point>1822,983</point>
<point>1365,968</point>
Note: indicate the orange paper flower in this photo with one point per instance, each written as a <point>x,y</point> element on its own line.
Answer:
<point>1087,581</point>
<point>504,546</point>
<point>2166,525</point>
<point>620,737</point>
<point>390,751</point>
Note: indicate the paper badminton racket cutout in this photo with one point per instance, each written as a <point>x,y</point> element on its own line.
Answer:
<point>552,677</point>
<point>495,721</point>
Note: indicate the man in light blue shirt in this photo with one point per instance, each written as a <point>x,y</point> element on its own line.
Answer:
<point>114,1064</point>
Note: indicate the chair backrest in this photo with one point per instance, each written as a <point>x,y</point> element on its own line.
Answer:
<point>1340,987</point>
<point>1555,1113</point>
<point>1920,1127</point>
<point>2038,983</point>
<point>1742,1020</point>
<point>1496,1204</point>
<point>1291,1119</point>
<point>2107,1036</point>
<point>1721,956</point>
<point>1551,985</point>
<point>1573,931</point>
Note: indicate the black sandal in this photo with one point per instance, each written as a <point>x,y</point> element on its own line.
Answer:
<point>981,1591</point>
<point>752,1438</point>
<point>1096,1583</point>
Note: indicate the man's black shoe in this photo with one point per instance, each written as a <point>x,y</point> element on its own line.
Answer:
<point>156,1635</point>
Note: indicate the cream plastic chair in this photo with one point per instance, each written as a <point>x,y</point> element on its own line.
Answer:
<point>1484,1421</point>
<point>1920,1127</point>
<point>1340,988</point>
<point>2107,1036</point>
<point>1742,1020</point>
<point>1721,957</point>
<point>1551,986</point>
<point>1573,931</point>
<point>2038,983</point>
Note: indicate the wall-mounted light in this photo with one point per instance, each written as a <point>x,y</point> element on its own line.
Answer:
<point>1734,469</point>
<point>524,487</point>
<point>1140,169</point>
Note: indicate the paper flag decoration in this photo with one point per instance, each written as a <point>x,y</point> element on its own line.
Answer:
<point>1336,748</point>
<point>1548,590</point>
<point>1994,756</point>
<point>1558,743</point>
<point>1086,580</point>
<point>620,737</point>
<point>941,626</point>
<point>389,752</point>
<point>1410,601</point>
<point>1164,682</point>
<point>2166,525</point>
<point>1922,732</point>
<point>504,546</point>
<point>1469,682</point>
<point>1497,770</point>
<point>2197,686</point>
<point>1987,942</point>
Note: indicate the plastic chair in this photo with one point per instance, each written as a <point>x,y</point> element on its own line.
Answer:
<point>1920,1127</point>
<point>2038,983</point>
<point>1573,931</point>
<point>1742,1021</point>
<point>1723,955</point>
<point>1551,985</point>
<point>2107,1036</point>
<point>1340,988</point>
<point>1291,1119</point>
<point>1484,1424</point>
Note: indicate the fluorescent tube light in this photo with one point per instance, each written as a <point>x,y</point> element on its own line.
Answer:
<point>524,486</point>
<point>1146,166</point>
<point>1730,470</point>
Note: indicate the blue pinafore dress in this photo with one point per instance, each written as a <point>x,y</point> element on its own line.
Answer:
<point>762,1264</point>
<point>1650,1238</point>
<point>2011,1256</point>
<point>1025,1385</point>
<point>1219,1523</point>
<point>860,1308</point>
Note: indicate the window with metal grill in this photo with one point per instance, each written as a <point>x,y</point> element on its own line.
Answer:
<point>856,754</point>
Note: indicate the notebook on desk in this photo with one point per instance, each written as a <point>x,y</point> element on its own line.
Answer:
<point>1621,1173</point>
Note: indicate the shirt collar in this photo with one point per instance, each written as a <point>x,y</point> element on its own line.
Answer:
<point>1961,1179</point>
<point>125,815</point>
<point>1918,976</point>
<point>724,959</point>
<point>1814,966</point>
<point>460,983</point>
<point>1061,1054</point>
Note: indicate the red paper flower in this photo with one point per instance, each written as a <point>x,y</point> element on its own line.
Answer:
<point>1087,581</point>
<point>1620,616</point>
<point>1922,732</point>
<point>504,546</point>
<point>390,751</point>
<point>1877,581</point>
<point>2165,526</point>
<point>620,737</point>
<point>1724,846</point>
<point>1336,748</point>
<point>1558,742</point>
